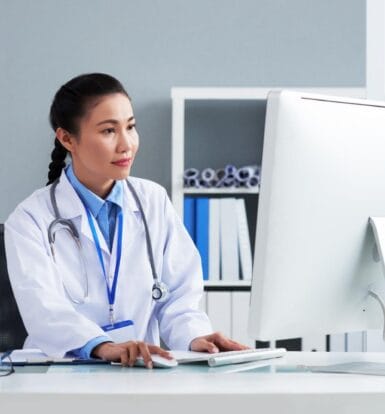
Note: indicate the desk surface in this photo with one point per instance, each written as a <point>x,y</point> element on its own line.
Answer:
<point>282,385</point>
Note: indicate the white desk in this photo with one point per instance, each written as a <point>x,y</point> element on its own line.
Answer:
<point>197,389</point>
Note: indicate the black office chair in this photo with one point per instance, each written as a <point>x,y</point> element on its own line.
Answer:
<point>12,330</point>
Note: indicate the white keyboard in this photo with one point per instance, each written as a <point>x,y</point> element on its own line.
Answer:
<point>245,355</point>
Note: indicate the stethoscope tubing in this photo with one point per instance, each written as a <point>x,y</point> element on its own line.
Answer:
<point>159,289</point>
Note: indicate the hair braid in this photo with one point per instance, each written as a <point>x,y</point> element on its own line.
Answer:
<point>58,156</point>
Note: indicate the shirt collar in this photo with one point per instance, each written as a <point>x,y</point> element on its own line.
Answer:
<point>90,199</point>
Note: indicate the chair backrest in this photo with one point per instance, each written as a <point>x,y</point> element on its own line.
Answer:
<point>12,330</point>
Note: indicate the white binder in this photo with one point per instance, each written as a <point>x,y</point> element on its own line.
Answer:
<point>214,240</point>
<point>244,240</point>
<point>229,239</point>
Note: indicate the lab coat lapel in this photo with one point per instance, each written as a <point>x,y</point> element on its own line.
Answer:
<point>71,207</point>
<point>133,225</point>
<point>131,228</point>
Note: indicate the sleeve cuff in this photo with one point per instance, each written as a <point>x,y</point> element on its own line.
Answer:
<point>85,351</point>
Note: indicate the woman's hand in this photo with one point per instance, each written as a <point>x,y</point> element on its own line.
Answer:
<point>215,342</point>
<point>127,352</point>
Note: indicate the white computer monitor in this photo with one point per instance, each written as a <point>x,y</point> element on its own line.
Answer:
<point>323,176</point>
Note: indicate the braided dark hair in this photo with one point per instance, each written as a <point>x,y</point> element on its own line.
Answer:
<point>58,156</point>
<point>70,104</point>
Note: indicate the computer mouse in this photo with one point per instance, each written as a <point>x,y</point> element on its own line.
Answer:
<point>157,362</point>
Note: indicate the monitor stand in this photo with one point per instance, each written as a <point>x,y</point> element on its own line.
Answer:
<point>377,291</point>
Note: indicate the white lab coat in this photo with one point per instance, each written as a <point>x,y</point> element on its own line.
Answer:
<point>54,322</point>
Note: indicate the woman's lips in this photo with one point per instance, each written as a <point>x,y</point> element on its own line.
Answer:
<point>124,162</point>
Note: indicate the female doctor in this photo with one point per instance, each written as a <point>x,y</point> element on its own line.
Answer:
<point>100,264</point>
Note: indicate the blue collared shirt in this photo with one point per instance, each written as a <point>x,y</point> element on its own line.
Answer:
<point>105,212</point>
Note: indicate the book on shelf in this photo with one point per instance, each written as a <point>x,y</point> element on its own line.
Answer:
<point>202,233</point>
<point>219,229</point>
<point>196,221</point>
<point>244,244</point>
<point>229,240</point>
<point>214,240</point>
<point>189,216</point>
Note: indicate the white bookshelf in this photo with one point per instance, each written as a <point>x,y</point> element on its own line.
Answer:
<point>179,96</point>
<point>229,284</point>
<point>226,303</point>
<point>229,93</point>
<point>222,191</point>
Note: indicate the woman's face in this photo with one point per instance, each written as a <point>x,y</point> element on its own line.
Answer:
<point>106,144</point>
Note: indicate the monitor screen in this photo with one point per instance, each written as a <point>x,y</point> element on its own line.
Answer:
<point>323,176</point>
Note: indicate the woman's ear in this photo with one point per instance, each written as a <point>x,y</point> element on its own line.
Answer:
<point>66,139</point>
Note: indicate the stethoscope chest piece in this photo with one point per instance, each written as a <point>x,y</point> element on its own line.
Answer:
<point>160,291</point>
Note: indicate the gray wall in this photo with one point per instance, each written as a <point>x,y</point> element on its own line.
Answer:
<point>152,45</point>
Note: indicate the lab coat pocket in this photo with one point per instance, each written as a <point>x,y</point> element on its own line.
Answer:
<point>121,331</point>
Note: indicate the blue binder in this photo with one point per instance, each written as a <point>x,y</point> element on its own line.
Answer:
<point>189,216</point>
<point>202,233</point>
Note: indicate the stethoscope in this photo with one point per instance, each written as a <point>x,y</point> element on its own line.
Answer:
<point>160,290</point>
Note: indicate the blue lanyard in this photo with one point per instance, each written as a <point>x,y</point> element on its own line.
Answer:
<point>110,292</point>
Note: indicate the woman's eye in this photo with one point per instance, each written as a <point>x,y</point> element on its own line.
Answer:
<point>108,131</point>
<point>131,126</point>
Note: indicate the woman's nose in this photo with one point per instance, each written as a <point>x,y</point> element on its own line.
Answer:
<point>127,142</point>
